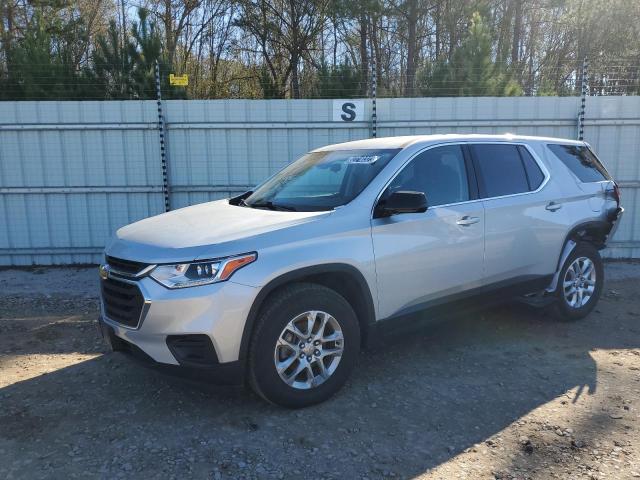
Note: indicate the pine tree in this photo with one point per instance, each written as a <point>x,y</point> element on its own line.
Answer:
<point>113,64</point>
<point>42,66</point>
<point>341,81</point>
<point>128,72</point>
<point>471,71</point>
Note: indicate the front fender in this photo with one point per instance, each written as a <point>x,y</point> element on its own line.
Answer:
<point>298,275</point>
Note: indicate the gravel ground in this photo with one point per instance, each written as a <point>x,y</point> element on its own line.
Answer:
<point>506,393</point>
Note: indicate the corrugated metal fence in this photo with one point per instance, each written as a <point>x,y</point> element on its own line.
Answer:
<point>71,173</point>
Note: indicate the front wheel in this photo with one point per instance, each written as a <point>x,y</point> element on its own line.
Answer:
<point>580,283</point>
<point>305,344</point>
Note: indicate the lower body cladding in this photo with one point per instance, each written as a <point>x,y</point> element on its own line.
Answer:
<point>193,331</point>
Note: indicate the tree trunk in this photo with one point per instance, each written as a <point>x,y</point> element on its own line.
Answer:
<point>298,47</point>
<point>124,24</point>
<point>531,52</point>
<point>168,30</point>
<point>7,36</point>
<point>517,32</point>
<point>295,81</point>
<point>438,27</point>
<point>453,31</point>
<point>503,32</point>
<point>364,57</point>
<point>412,48</point>
<point>335,42</point>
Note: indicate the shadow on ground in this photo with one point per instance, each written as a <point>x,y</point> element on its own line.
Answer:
<point>412,404</point>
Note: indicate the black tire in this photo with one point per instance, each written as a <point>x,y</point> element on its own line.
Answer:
<point>562,310</point>
<point>279,310</point>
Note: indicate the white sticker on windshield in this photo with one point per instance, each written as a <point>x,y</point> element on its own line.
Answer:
<point>363,159</point>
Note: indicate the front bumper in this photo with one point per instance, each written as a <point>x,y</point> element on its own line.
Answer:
<point>229,373</point>
<point>218,311</point>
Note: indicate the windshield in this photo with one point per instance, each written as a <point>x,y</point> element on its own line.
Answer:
<point>321,180</point>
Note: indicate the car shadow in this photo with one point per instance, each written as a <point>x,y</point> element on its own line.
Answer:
<point>415,402</point>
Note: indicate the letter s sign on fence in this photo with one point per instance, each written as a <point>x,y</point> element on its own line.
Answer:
<point>348,110</point>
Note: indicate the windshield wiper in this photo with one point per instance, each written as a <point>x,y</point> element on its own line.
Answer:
<point>271,206</point>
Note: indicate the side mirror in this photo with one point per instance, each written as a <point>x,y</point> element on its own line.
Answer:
<point>402,202</point>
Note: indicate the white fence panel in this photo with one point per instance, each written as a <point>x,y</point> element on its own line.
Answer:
<point>71,173</point>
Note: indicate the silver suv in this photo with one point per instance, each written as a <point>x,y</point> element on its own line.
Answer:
<point>283,285</point>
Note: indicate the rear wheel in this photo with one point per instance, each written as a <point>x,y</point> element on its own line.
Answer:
<point>305,344</point>
<point>580,283</point>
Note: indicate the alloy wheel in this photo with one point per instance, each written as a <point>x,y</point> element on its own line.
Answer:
<point>309,350</point>
<point>579,282</point>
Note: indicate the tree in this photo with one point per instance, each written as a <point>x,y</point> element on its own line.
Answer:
<point>341,81</point>
<point>113,65</point>
<point>43,66</point>
<point>208,50</point>
<point>359,22</point>
<point>413,29</point>
<point>471,71</point>
<point>129,72</point>
<point>310,48</point>
<point>285,32</point>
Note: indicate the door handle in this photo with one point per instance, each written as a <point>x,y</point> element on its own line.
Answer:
<point>553,206</point>
<point>467,220</point>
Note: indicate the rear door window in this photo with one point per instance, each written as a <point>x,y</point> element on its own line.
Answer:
<point>581,161</point>
<point>500,169</point>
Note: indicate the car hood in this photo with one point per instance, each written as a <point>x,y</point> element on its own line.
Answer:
<point>204,230</point>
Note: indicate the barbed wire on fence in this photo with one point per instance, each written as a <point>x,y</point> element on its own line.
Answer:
<point>614,77</point>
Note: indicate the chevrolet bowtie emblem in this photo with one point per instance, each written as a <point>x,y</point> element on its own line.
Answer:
<point>104,271</point>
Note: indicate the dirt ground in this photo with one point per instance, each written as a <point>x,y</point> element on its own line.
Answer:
<point>505,393</point>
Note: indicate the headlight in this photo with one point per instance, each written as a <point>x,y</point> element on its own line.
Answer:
<point>182,275</point>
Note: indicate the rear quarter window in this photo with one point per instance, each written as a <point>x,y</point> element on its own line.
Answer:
<point>581,161</point>
<point>534,174</point>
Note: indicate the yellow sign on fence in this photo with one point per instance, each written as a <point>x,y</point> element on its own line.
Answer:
<point>178,80</point>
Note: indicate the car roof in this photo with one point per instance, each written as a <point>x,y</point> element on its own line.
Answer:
<point>406,141</point>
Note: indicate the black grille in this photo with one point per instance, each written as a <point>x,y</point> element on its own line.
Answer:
<point>125,266</point>
<point>123,302</point>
